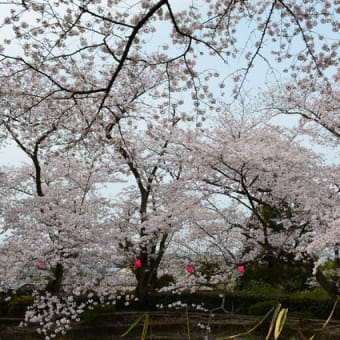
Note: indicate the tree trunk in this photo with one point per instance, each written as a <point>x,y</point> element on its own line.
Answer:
<point>54,285</point>
<point>146,282</point>
<point>326,284</point>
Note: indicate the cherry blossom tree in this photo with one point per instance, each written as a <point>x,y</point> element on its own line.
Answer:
<point>291,196</point>
<point>52,232</point>
<point>42,129</point>
<point>56,227</point>
<point>207,253</point>
<point>156,206</point>
<point>93,91</point>
<point>316,102</point>
<point>57,239</point>
<point>64,219</point>
<point>84,50</point>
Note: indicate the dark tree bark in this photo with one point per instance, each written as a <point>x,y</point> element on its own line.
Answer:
<point>328,285</point>
<point>54,285</point>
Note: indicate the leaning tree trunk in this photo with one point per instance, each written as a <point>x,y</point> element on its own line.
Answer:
<point>330,286</point>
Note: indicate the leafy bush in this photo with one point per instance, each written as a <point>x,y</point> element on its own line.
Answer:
<point>256,288</point>
<point>98,312</point>
<point>317,293</point>
<point>304,304</point>
<point>17,305</point>
<point>278,271</point>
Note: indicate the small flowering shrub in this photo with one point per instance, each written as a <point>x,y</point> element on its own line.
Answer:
<point>53,315</point>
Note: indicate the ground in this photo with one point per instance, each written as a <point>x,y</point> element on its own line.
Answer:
<point>173,325</point>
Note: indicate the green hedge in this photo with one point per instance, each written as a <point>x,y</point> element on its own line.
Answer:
<point>16,307</point>
<point>307,304</point>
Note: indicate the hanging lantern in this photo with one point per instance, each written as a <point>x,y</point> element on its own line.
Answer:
<point>189,269</point>
<point>137,263</point>
<point>40,263</point>
<point>241,268</point>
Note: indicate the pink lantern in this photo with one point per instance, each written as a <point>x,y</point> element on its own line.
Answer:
<point>241,268</point>
<point>40,263</point>
<point>189,269</point>
<point>137,263</point>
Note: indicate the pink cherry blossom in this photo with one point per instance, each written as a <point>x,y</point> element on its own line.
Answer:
<point>149,116</point>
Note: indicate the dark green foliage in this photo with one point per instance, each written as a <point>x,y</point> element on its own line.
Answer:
<point>329,270</point>
<point>165,281</point>
<point>256,301</point>
<point>314,303</point>
<point>271,215</point>
<point>208,269</point>
<point>3,308</point>
<point>274,266</point>
<point>17,306</point>
<point>209,299</point>
<point>317,293</point>
<point>261,307</point>
<point>99,312</point>
<point>279,271</point>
